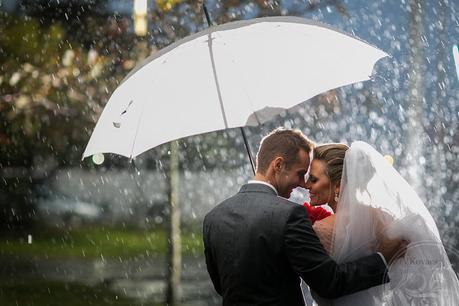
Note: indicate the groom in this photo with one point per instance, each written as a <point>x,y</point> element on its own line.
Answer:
<point>258,244</point>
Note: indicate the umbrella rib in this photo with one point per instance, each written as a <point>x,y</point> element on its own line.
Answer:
<point>242,85</point>
<point>137,130</point>
<point>217,84</point>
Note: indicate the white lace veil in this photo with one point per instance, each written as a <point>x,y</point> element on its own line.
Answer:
<point>375,199</point>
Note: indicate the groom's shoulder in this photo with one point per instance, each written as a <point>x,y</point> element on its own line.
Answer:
<point>264,201</point>
<point>290,208</point>
<point>220,206</point>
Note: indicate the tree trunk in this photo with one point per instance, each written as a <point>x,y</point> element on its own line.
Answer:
<point>175,250</point>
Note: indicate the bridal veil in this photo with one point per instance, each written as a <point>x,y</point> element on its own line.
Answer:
<point>376,200</point>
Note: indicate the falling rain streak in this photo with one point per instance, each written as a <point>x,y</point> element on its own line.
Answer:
<point>98,229</point>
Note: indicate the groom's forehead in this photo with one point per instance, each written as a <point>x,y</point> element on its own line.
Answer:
<point>303,158</point>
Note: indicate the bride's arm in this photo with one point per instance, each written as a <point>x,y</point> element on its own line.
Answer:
<point>311,262</point>
<point>324,230</point>
<point>383,220</point>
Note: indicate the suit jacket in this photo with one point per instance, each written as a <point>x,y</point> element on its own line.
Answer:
<point>258,245</point>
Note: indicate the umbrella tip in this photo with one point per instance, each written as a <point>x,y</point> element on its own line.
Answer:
<point>206,12</point>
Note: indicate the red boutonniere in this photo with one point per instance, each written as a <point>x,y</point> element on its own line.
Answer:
<point>316,212</point>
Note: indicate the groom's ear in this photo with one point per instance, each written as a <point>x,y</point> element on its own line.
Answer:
<point>278,163</point>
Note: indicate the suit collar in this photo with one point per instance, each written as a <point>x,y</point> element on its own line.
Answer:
<point>257,187</point>
<point>263,183</point>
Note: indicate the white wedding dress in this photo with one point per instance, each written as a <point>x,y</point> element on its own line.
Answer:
<point>375,199</point>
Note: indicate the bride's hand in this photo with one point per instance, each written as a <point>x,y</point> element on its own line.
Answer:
<point>392,249</point>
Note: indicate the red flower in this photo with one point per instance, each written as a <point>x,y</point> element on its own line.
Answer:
<point>316,212</point>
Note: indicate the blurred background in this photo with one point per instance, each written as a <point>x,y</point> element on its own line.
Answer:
<point>103,231</point>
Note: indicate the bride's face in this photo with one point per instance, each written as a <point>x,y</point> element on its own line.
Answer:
<point>318,184</point>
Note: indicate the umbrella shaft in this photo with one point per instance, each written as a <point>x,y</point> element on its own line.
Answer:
<point>246,143</point>
<point>206,12</point>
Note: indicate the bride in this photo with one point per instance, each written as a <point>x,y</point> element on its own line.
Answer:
<point>370,198</point>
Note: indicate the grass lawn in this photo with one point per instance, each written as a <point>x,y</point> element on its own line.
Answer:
<point>50,293</point>
<point>92,242</point>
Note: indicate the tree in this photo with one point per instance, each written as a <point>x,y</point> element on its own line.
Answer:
<point>52,91</point>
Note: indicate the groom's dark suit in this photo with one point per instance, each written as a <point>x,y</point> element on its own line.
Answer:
<point>258,244</point>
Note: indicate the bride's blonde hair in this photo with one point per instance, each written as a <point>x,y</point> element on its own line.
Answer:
<point>332,154</point>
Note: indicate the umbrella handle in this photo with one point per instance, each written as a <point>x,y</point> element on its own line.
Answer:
<point>246,143</point>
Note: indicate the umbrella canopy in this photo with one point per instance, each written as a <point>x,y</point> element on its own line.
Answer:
<point>224,77</point>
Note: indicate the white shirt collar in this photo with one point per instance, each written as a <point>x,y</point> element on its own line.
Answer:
<point>264,183</point>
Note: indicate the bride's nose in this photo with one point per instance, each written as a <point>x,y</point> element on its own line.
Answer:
<point>306,181</point>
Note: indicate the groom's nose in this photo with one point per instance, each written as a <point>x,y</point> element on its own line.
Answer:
<point>302,184</point>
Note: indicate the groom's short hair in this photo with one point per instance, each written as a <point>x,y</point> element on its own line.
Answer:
<point>281,142</point>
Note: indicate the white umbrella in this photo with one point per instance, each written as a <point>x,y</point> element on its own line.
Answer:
<point>223,76</point>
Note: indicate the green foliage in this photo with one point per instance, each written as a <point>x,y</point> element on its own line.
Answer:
<point>98,242</point>
<point>53,293</point>
<point>25,40</point>
<point>51,92</point>
<point>167,5</point>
